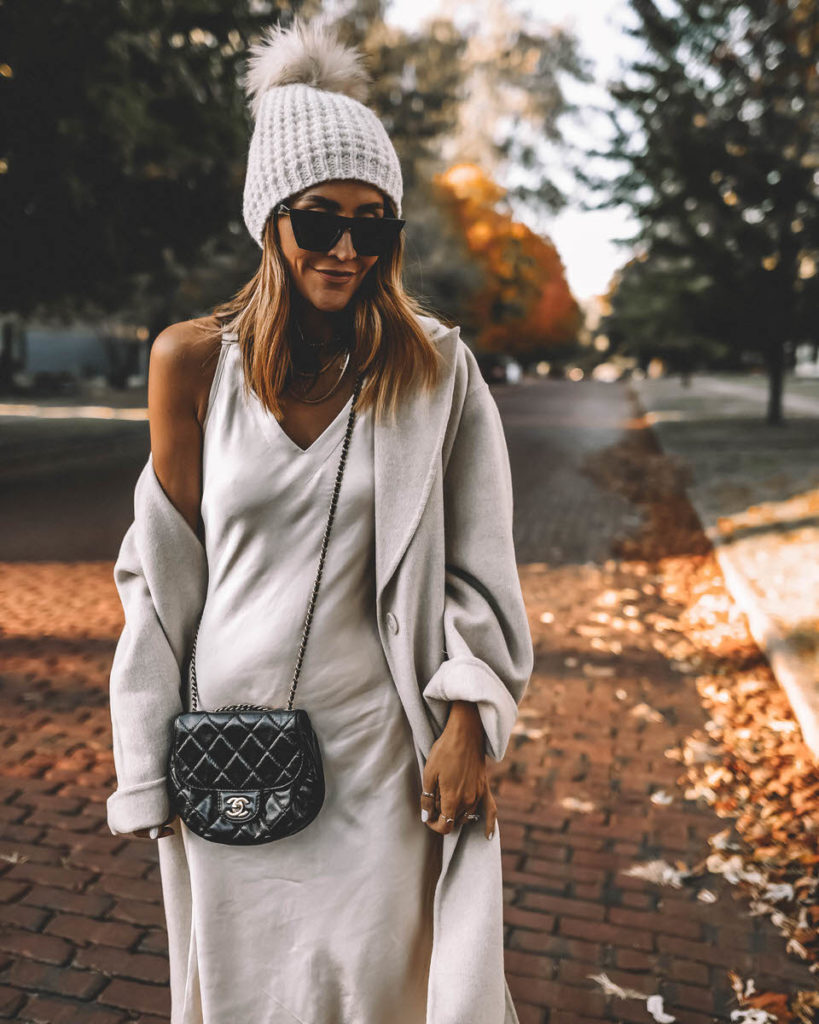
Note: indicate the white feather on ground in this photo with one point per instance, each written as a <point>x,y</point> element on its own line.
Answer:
<point>308,53</point>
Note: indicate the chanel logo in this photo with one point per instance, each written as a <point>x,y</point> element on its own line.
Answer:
<point>238,807</point>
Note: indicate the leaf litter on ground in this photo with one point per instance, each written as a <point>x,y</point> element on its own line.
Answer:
<point>749,762</point>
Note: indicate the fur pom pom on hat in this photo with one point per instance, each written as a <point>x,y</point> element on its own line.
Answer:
<point>307,91</point>
<point>306,55</point>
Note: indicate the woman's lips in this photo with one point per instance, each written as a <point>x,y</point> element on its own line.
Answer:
<point>335,278</point>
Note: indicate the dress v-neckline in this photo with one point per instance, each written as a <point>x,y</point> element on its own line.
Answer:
<point>278,435</point>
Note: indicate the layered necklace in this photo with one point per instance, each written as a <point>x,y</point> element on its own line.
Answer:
<point>339,344</point>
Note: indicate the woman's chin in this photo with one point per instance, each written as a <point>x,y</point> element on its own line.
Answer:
<point>330,302</point>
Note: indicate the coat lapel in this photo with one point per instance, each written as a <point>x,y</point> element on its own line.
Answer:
<point>405,454</point>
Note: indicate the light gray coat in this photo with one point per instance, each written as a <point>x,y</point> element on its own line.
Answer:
<point>452,622</point>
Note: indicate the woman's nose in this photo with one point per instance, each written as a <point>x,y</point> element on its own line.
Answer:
<point>344,247</point>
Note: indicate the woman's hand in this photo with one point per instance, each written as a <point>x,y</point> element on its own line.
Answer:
<point>154,833</point>
<point>455,773</point>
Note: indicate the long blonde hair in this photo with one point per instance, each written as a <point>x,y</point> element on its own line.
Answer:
<point>389,343</point>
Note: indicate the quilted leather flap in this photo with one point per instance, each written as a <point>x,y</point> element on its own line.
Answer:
<point>239,750</point>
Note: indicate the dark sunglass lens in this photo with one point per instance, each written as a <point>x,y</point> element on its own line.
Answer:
<point>373,236</point>
<point>314,230</point>
<point>317,231</point>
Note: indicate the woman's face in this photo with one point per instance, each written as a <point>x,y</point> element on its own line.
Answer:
<point>329,292</point>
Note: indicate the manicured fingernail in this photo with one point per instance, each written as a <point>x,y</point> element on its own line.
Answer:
<point>424,814</point>
<point>491,834</point>
<point>154,833</point>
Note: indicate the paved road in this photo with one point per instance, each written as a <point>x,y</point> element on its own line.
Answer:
<point>80,513</point>
<point>66,486</point>
<point>561,515</point>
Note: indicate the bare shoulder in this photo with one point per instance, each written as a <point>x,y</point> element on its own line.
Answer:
<point>183,362</point>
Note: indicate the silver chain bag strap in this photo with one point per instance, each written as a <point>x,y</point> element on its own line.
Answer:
<point>243,775</point>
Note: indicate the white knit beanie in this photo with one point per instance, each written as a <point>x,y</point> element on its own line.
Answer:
<point>307,91</point>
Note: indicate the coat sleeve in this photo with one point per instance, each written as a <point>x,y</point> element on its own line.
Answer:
<point>486,627</point>
<point>142,702</point>
<point>160,575</point>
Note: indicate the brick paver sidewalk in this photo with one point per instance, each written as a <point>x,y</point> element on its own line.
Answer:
<point>83,935</point>
<point>575,794</point>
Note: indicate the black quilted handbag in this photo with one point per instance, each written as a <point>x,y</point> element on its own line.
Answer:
<point>243,775</point>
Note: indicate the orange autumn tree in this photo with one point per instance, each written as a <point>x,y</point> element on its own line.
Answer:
<point>525,306</point>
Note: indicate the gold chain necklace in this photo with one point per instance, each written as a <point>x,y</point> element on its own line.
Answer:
<point>320,370</point>
<point>315,401</point>
<point>316,347</point>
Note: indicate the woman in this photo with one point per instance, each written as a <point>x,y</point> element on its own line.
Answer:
<point>365,916</point>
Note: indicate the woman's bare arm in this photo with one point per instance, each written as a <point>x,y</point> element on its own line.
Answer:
<point>179,377</point>
<point>180,374</point>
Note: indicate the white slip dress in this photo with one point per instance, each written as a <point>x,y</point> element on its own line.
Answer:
<point>332,925</point>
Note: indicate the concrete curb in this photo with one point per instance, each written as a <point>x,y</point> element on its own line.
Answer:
<point>794,672</point>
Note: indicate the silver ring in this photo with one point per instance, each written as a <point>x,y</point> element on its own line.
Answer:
<point>448,820</point>
<point>427,794</point>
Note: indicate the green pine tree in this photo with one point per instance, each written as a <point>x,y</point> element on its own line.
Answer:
<point>717,130</point>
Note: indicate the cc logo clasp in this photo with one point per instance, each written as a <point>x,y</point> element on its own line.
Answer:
<point>238,806</point>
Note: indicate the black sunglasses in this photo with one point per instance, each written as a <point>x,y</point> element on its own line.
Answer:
<point>320,231</point>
